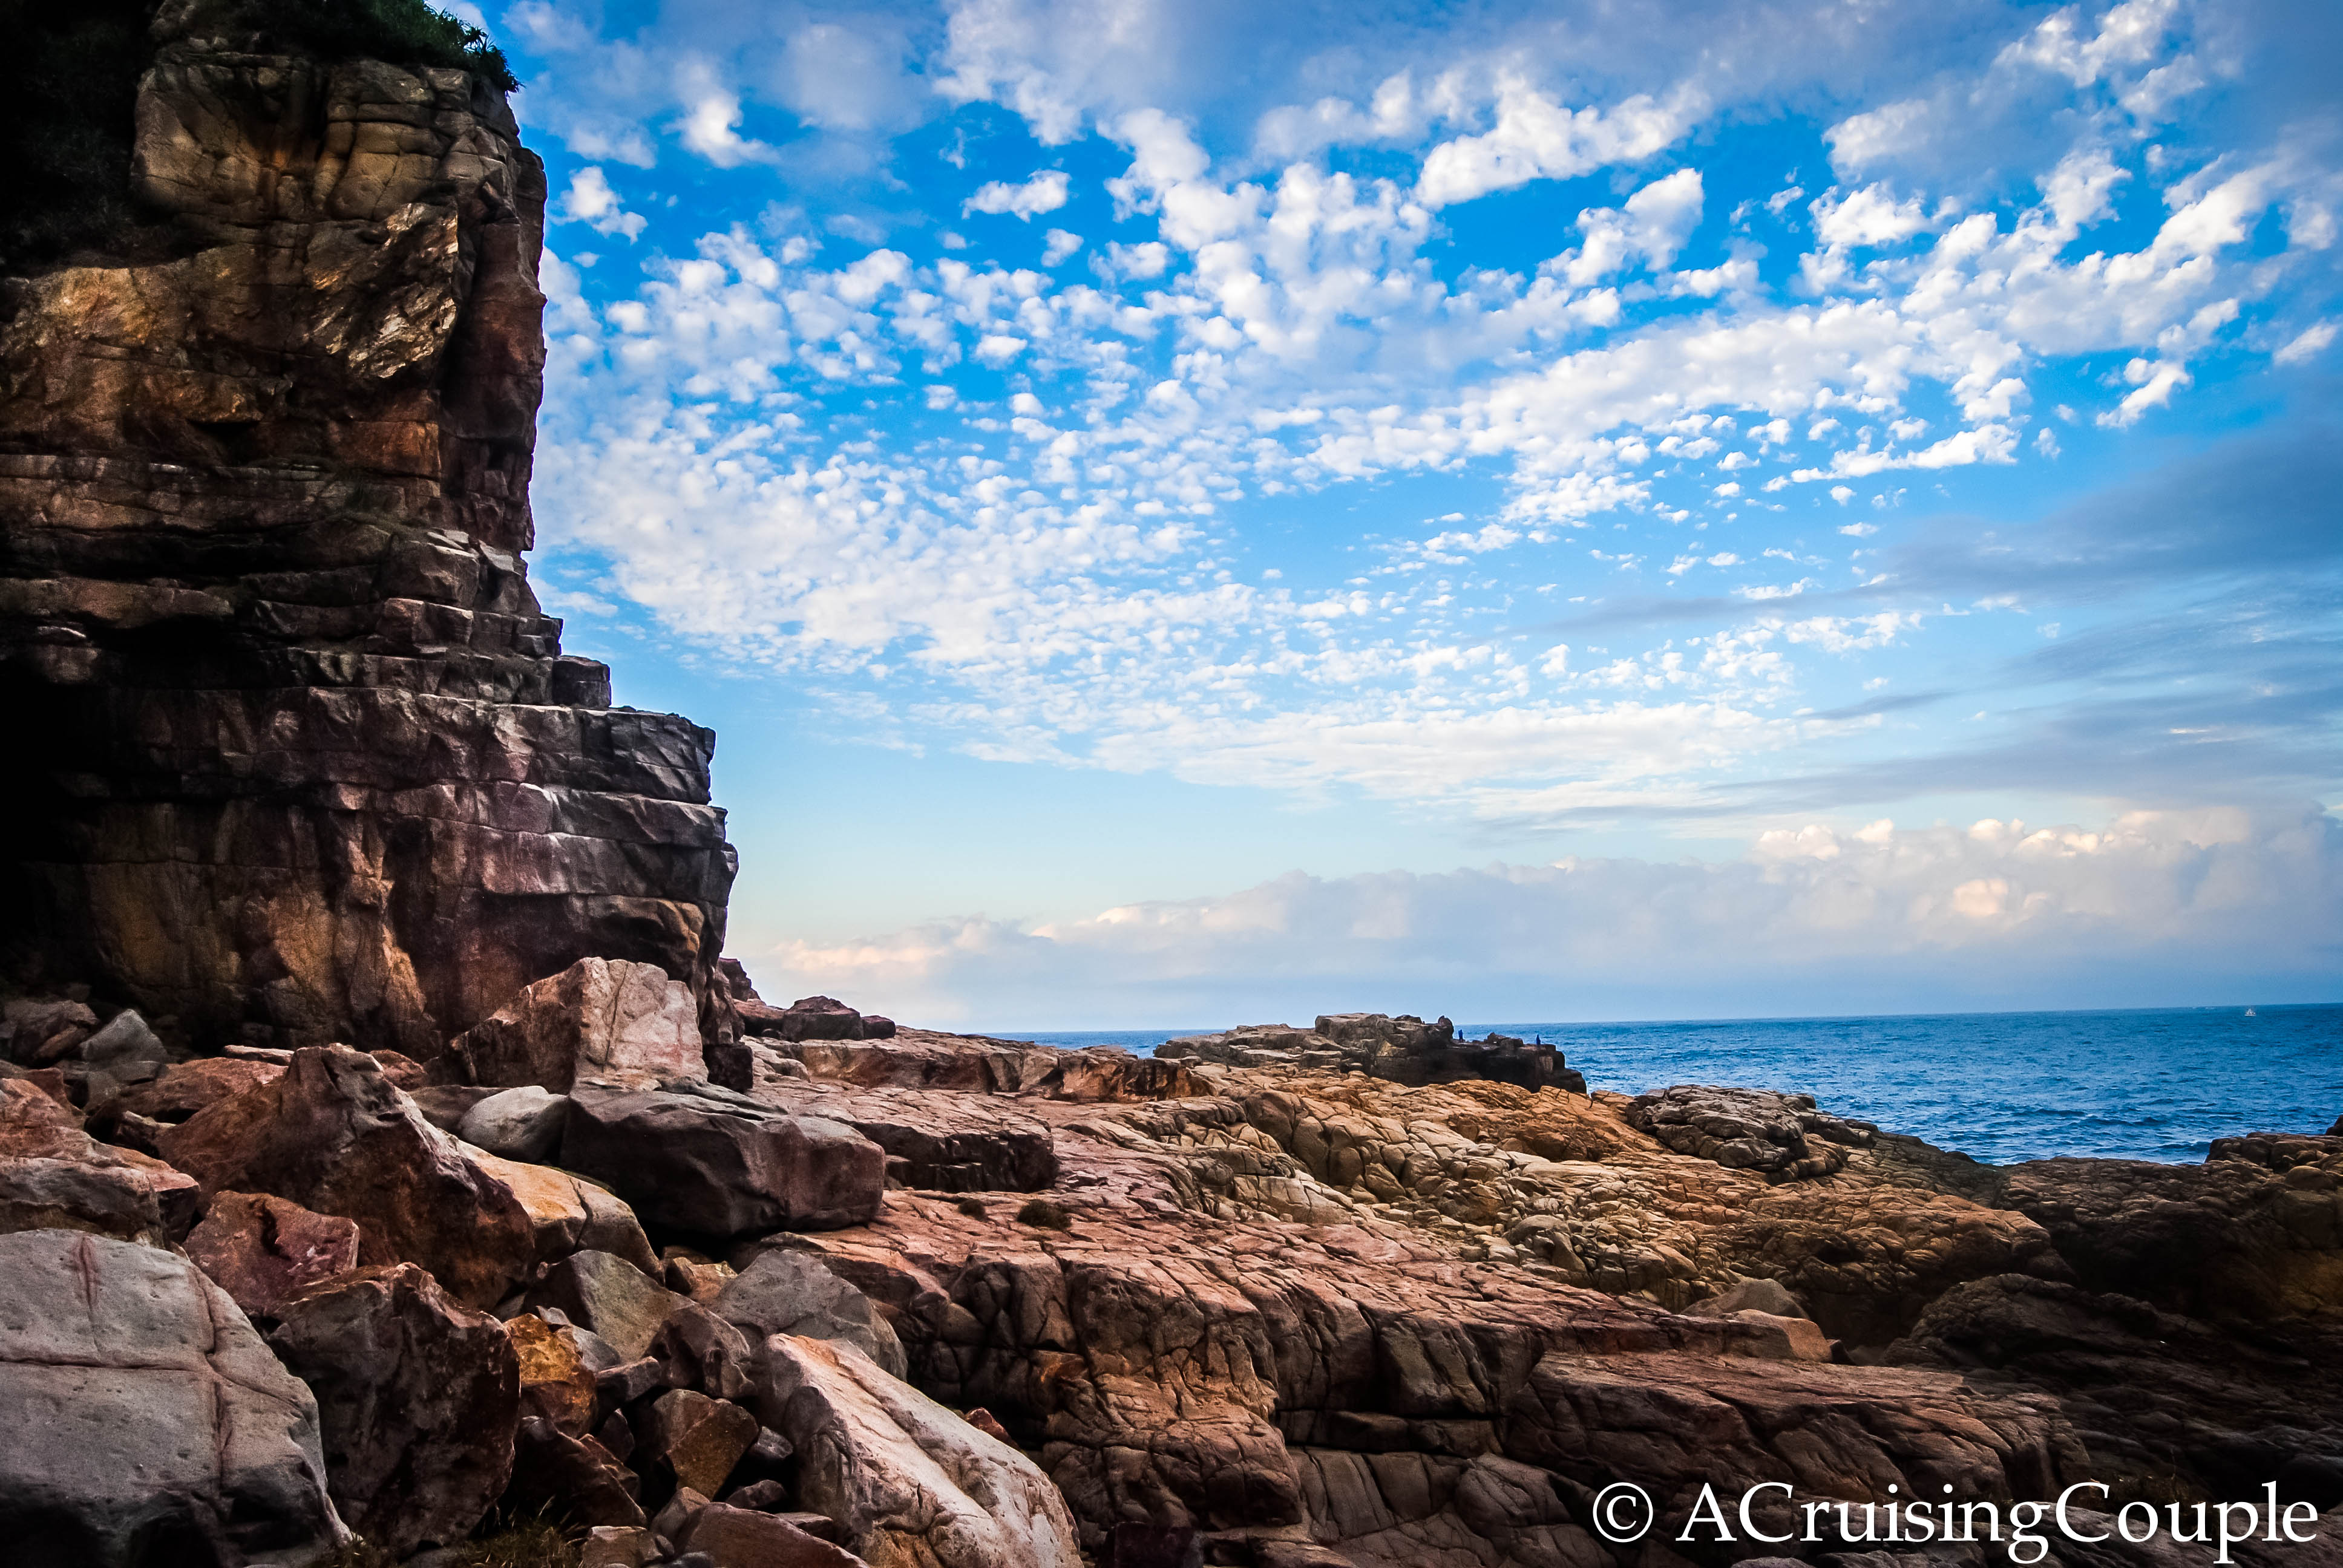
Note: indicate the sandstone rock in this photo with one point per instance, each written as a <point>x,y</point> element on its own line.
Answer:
<point>1789,1339</point>
<point>55,1175</point>
<point>1403,1049</point>
<point>1749,1295</point>
<point>569,1213</point>
<point>788,1292</point>
<point>744,1538</point>
<point>693,1439</point>
<point>623,1025</point>
<point>43,1029</point>
<point>181,1090</point>
<point>124,1039</point>
<point>311,761</point>
<point>908,1480</point>
<point>333,1134</point>
<point>146,1421</point>
<point>556,1384</point>
<point>445,1105</point>
<point>2255,1232</point>
<point>572,1478</point>
<point>523,1124</point>
<point>1781,1136</point>
<point>696,1277</point>
<point>419,1400</point>
<point>718,1171</point>
<point>613,1297</point>
<point>616,1546</point>
<point>697,1350</point>
<point>263,1251</point>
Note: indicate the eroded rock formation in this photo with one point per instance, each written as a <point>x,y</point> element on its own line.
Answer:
<point>309,764</point>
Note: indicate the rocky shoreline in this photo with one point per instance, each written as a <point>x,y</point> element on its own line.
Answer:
<point>392,1168</point>
<point>924,1298</point>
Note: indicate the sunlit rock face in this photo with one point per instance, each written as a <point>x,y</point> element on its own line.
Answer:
<point>301,757</point>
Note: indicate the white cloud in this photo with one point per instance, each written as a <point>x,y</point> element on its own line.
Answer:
<point>1061,244</point>
<point>710,127</point>
<point>1657,221</point>
<point>590,200</point>
<point>1044,192</point>
<point>1999,914</point>
<point>1536,137</point>
<point>2307,345</point>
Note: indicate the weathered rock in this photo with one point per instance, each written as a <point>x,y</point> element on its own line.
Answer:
<point>570,1214</point>
<point>418,1397</point>
<point>696,1277</point>
<point>613,1297</point>
<point>1749,1295</point>
<point>744,1538</point>
<point>1403,1049</point>
<point>523,1124</point>
<point>909,1481</point>
<point>616,1546</point>
<point>790,1293</point>
<point>263,1251</point>
<point>311,761</point>
<point>181,1090</point>
<point>124,1039</point>
<point>693,1439</point>
<point>623,1025</point>
<point>43,1029</point>
<point>715,1170</point>
<point>572,1478</point>
<point>556,1383</point>
<point>333,1134</point>
<point>1781,1136</point>
<point>2255,1232</point>
<point>148,1424</point>
<point>52,1175</point>
<point>697,1350</point>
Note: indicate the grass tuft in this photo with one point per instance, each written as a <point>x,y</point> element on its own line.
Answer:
<point>1049,1216</point>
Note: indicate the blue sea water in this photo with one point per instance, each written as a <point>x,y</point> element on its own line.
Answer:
<point>2148,1084</point>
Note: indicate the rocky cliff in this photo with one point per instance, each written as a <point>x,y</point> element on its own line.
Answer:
<point>303,761</point>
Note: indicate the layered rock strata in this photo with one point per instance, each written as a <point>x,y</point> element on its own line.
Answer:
<point>311,766</point>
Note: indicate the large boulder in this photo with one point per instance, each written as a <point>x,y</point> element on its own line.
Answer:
<point>720,1170</point>
<point>909,1481</point>
<point>1781,1137</point>
<point>570,1214</point>
<point>263,1250</point>
<point>419,1397</point>
<point>600,1021</point>
<point>522,1123</point>
<point>52,1174</point>
<point>787,1292</point>
<point>609,1297</point>
<point>333,1134</point>
<point>148,1426</point>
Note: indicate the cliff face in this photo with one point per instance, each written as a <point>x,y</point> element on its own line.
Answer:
<point>302,760</point>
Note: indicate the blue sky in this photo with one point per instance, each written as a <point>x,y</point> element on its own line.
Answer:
<point>1183,513</point>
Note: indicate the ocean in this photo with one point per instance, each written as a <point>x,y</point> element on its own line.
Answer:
<point>2146,1084</point>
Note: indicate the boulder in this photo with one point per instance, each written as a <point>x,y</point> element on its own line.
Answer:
<point>616,1546</point>
<point>569,1213</point>
<point>1780,1137</point>
<point>721,1171</point>
<point>125,1039</point>
<point>790,1292</point>
<point>745,1538</point>
<point>694,1441</point>
<point>909,1481</point>
<point>43,1030</point>
<point>697,1350</point>
<point>556,1383</point>
<point>602,1020</point>
<point>55,1175</point>
<point>609,1295</point>
<point>523,1124</point>
<point>572,1478</point>
<point>263,1250</point>
<point>181,1090</point>
<point>1749,1295</point>
<point>335,1135</point>
<point>148,1424</point>
<point>418,1398</point>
